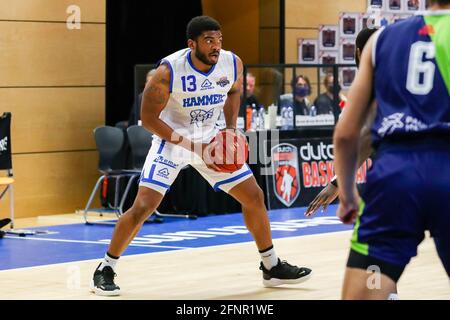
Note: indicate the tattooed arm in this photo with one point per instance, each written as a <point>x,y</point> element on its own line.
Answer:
<point>154,100</point>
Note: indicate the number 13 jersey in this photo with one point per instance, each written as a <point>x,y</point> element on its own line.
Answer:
<point>197,98</point>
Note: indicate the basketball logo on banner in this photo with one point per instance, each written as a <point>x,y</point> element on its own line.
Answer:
<point>286,182</point>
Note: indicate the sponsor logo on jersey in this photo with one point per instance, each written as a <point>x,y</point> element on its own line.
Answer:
<point>399,122</point>
<point>162,160</point>
<point>164,173</point>
<point>207,85</point>
<point>223,82</point>
<point>200,115</point>
<point>203,100</point>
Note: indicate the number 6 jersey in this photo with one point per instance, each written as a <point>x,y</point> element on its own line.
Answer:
<point>412,80</point>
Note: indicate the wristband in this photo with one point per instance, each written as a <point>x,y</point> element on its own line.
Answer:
<point>333,181</point>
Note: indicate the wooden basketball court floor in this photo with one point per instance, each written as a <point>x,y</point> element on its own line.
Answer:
<point>225,272</point>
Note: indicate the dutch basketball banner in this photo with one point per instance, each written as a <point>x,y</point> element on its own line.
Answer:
<point>286,173</point>
<point>300,169</point>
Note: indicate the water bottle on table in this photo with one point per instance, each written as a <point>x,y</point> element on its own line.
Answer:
<point>283,114</point>
<point>290,118</point>
<point>272,116</point>
<point>261,114</point>
<point>254,123</point>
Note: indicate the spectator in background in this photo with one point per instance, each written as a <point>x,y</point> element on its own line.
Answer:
<point>250,97</point>
<point>135,112</point>
<point>301,89</point>
<point>324,102</point>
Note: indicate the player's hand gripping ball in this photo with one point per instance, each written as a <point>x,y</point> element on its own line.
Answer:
<point>231,150</point>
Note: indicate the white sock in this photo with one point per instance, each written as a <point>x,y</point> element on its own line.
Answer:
<point>269,258</point>
<point>393,296</point>
<point>108,261</point>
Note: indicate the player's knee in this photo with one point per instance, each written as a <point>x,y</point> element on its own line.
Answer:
<point>255,198</point>
<point>142,208</point>
<point>139,214</point>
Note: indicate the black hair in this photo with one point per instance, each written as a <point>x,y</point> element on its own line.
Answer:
<point>295,80</point>
<point>200,24</point>
<point>361,40</point>
<point>363,36</point>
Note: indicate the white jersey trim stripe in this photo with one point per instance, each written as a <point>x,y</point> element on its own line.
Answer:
<point>164,61</point>
<point>374,46</point>
<point>235,66</point>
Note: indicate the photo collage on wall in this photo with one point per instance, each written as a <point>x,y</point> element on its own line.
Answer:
<point>336,43</point>
<point>391,11</point>
<point>350,23</point>
<point>307,51</point>
<point>328,57</point>
<point>397,6</point>
<point>328,46</point>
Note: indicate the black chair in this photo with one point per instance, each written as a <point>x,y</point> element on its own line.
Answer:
<point>6,162</point>
<point>110,142</point>
<point>140,140</point>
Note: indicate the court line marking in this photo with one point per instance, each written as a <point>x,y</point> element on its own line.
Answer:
<point>95,242</point>
<point>125,257</point>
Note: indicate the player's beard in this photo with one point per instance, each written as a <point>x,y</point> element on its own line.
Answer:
<point>203,58</point>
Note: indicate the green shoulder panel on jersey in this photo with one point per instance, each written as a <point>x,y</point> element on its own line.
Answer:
<point>441,39</point>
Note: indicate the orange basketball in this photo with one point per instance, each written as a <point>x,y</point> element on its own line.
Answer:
<point>231,152</point>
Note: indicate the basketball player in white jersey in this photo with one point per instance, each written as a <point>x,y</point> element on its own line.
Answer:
<point>180,106</point>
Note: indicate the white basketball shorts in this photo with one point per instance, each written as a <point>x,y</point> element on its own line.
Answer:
<point>165,160</point>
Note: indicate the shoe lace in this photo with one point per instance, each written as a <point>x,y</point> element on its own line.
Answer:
<point>281,263</point>
<point>285,263</point>
<point>109,275</point>
<point>292,268</point>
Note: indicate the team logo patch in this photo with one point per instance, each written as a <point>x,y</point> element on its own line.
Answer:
<point>223,82</point>
<point>427,30</point>
<point>164,173</point>
<point>286,173</point>
<point>200,115</point>
<point>206,85</point>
